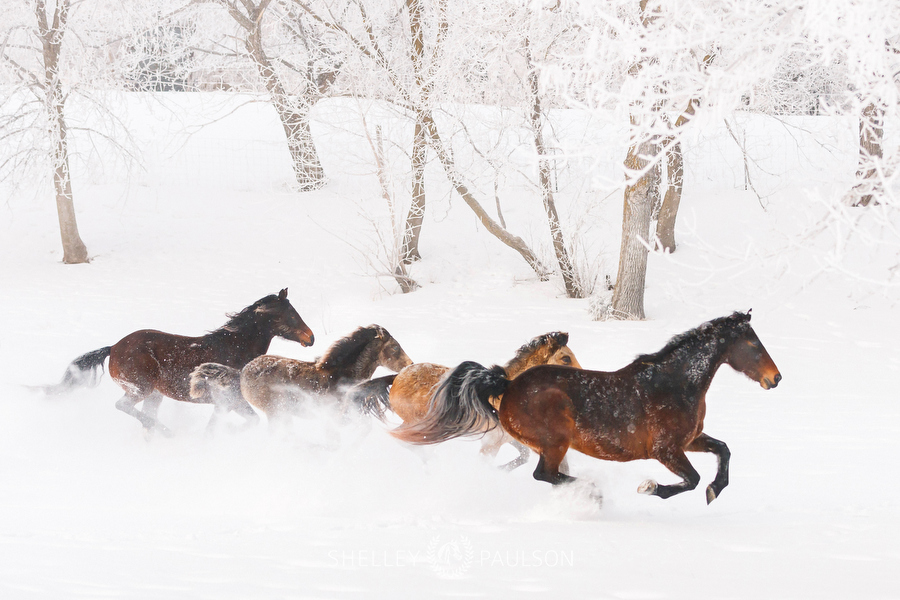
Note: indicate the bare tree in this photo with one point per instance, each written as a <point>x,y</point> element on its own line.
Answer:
<point>417,99</point>
<point>293,109</point>
<point>35,55</point>
<point>574,288</point>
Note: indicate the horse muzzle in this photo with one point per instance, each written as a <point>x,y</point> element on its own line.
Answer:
<point>768,383</point>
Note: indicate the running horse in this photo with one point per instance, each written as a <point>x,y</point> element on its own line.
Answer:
<point>150,364</point>
<point>651,409</point>
<point>411,389</point>
<point>277,385</point>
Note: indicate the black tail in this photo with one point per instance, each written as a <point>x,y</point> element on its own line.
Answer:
<point>460,406</point>
<point>371,397</point>
<point>86,370</point>
<point>212,383</point>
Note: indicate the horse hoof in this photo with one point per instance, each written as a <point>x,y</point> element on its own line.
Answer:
<point>648,487</point>
<point>710,495</point>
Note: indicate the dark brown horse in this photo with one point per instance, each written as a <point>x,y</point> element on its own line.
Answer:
<point>409,392</point>
<point>277,385</point>
<point>652,408</point>
<point>150,364</point>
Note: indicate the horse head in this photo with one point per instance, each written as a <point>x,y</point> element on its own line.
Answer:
<point>284,318</point>
<point>561,353</point>
<point>391,356</point>
<point>748,355</point>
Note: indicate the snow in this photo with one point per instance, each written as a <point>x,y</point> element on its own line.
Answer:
<point>91,508</point>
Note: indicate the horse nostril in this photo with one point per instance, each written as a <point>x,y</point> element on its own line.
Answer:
<point>777,378</point>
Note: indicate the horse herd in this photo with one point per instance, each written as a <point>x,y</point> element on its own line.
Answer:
<point>541,399</point>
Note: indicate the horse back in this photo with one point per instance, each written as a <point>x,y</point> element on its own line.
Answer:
<point>616,416</point>
<point>269,382</point>
<point>149,359</point>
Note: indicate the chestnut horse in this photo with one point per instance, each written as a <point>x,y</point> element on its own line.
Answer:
<point>277,385</point>
<point>411,388</point>
<point>150,364</point>
<point>652,408</point>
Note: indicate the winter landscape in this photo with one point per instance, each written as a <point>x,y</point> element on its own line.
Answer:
<point>94,507</point>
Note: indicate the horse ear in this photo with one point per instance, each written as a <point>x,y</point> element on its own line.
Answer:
<point>282,294</point>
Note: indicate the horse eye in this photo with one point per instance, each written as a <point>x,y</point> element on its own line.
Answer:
<point>567,360</point>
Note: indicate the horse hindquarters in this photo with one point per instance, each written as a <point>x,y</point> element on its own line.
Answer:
<point>212,383</point>
<point>543,420</point>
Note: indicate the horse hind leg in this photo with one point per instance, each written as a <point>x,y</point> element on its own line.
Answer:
<point>548,467</point>
<point>678,463</point>
<point>128,405</point>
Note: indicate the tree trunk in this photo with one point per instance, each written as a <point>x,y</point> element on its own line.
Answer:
<point>573,289</point>
<point>871,135</point>
<point>628,296</point>
<point>294,113</point>
<point>665,224</point>
<point>74,250</point>
<point>424,86</point>
<point>410,250</point>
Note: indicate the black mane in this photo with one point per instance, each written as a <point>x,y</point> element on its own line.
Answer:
<point>247,316</point>
<point>344,352</point>
<point>721,328</point>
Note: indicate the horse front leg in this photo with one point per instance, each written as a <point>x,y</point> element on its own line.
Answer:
<point>704,443</point>
<point>678,463</point>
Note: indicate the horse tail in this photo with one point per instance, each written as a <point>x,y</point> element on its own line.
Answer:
<point>86,370</point>
<point>211,382</point>
<point>460,406</point>
<point>372,397</point>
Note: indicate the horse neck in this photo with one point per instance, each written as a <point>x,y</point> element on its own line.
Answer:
<point>520,364</point>
<point>698,363</point>
<point>359,368</point>
<point>246,342</point>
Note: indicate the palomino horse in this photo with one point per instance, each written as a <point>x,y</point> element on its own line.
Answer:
<point>150,364</point>
<point>653,408</point>
<point>411,388</point>
<point>277,385</point>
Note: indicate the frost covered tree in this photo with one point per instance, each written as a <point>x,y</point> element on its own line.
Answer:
<point>288,59</point>
<point>401,55</point>
<point>36,54</point>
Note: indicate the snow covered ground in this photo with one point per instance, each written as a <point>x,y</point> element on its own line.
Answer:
<point>89,508</point>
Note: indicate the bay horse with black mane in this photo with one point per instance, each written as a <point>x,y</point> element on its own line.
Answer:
<point>652,408</point>
<point>408,393</point>
<point>150,364</point>
<point>277,385</point>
